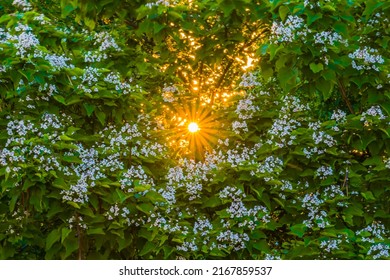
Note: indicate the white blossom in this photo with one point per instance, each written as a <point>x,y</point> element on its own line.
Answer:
<point>366,58</point>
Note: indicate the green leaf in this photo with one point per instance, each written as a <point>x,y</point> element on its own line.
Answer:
<point>261,245</point>
<point>371,6</point>
<point>66,8</point>
<point>214,201</point>
<point>64,233</point>
<point>89,108</point>
<point>175,15</point>
<point>354,210</point>
<point>52,238</point>
<point>27,184</point>
<point>73,99</point>
<point>71,245</point>
<point>325,87</point>
<point>298,229</point>
<point>64,137</point>
<point>92,231</point>
<point>147,208</point>
<point>148,247</point>
<point>368,195</point>
<point>101,117</point>
<point>287,77</point>
<point>72,159</point>
<point>168,250</point>
<point>227,7</point>
<point>121,195</point>
<point>60,99</point>
<point>341,28</point>
<point>283,11</point>
<point>316,67</point>
<point>90,23</point>
<point>74,204</point>
<point>313,18</point>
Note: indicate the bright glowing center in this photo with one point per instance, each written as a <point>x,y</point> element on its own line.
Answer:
<point>193,127</point>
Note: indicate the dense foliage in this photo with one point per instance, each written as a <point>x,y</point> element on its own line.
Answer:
<point>291,160</point>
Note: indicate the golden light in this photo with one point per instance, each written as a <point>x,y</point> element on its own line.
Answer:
<point>193,127</point>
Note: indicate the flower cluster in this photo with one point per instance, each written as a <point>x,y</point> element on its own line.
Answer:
<point>375,235</point>
<point>333,191</point>
<point>135,175</point>
<point>377,19</point>
<point>188,175</point>
<point>58,62</point>
<point>90,78</point>
<point>203,226</point>
<point>122,87</point>
<point>168,93</point>
<point>292,29</point>
<point>237,208</point>
<point>245,108</point>
<point>116,211</point>
<point>316,216</point>
<point>232,240</point>
<point>24,5</point>
<point>366,59</point>
<point>239,127</point>
<point>387,163</point>
<point>241,156</point>
<point>330,245</point>
<point>77,193</point>
<point>372,114</point>
<point>323,137</point>
<point>119,137</point>
<point>378,251</point>
<point>282,128</point>
<point>327,38</point>
<point>280,132</point>
<point>105,42</point>
<point>270,167</point>
<point>166,3</point>
<point>20,149</point>
<point>249,80</point>
<point>24,41</point>
<point>77,221</point>
<point>339,116</point>
<point>376,231</point>
<point>187,246</point>
<point>323,172</point>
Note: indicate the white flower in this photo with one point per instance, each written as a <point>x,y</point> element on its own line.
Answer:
<point>23,4</point>
<point>366,59</point>
<point>324,171</point>
<point>249,80</point>
<point>239,127</point>
<point>288,31</point>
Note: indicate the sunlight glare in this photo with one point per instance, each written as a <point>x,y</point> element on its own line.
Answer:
<point>193,127</point>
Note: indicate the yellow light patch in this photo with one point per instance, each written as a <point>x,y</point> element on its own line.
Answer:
<point>193,127</point>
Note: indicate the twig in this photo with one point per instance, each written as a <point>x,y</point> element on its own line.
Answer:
<point>345,97</point>
<point>345,183</point>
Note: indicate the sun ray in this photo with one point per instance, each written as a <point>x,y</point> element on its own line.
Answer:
<point>194,129</point>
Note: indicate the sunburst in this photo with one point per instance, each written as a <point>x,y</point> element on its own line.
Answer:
<point>194,128</point>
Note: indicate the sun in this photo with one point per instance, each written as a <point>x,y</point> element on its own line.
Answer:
<point>193,127</point>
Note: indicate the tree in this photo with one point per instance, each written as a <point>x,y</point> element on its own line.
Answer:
<point>291,156</point>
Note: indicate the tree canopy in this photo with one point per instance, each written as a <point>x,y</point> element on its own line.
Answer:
<point>170,129</point>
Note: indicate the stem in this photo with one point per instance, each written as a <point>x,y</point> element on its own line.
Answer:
<point>80,249</point>
<point>344,95</point>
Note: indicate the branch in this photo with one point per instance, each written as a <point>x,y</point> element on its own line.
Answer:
<point>229,65</point>
<point>344,95</point>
